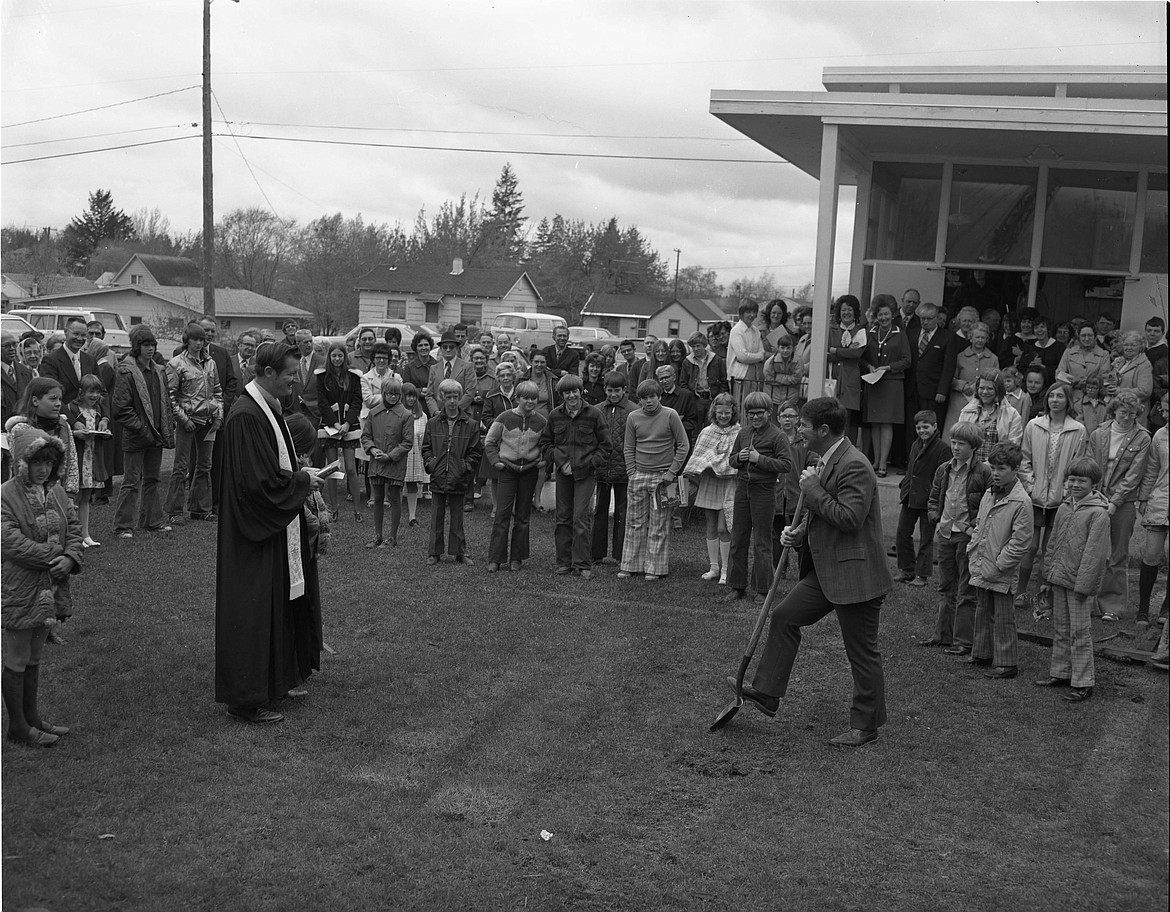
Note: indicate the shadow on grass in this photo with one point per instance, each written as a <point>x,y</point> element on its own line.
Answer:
<point>463,714</point>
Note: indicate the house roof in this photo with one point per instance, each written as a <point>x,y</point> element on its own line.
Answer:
<point>229,302</point>
<point>702,309</point>
<point>472,282</point>
<point>641,307</point>
<point>165,269</point>
<point>50,284</point>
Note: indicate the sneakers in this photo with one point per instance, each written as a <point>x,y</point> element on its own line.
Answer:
<point>586,574</point>
<point>125,535</point>
<point>919,582</point>
<point>651,577</point>
<point>514,566</point>
<point>711,574</point>
<point>88,542</point>
<point>493,567</point>
<point>622,574</point>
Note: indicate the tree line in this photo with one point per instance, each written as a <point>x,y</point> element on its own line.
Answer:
<point>316,266</point>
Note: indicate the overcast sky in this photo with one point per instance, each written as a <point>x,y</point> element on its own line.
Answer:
<point>615,78</point>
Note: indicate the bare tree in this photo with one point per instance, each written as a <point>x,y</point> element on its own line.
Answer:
<point>253,248</point>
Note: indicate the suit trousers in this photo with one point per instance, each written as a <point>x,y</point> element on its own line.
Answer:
<point>1072,637</point>
<point>574,514</point>
<point>188,445</point>
<point>443,502</point>
<point>956,603</point>
<point>995,628</point>
<point>755,507</point>
<point>939,409</point>
<point>601,521</point>
<point>140,469</point>
<point>923,564</point>
<point>806,604</point>
<point>514,492</point>
<point>1114,595</point>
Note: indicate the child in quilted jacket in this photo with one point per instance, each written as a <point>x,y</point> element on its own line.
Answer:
<point>42,547</point>
<point>1074,565</point>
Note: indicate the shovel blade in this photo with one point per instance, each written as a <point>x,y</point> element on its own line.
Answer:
<point>727,714</point>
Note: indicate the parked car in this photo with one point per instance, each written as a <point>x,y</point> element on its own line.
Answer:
<point>528,329</point>
<point>351,337</point>
<point>18,326</point>
<point>53,319</point>
<point>591,338</point>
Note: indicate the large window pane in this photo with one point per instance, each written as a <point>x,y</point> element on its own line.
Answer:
<point>903,211</point>
<point>1154,239</point>
<point>1088,222</point>
<point>991,215</point>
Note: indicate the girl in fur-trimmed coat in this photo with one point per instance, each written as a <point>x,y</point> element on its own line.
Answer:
<point>42,547</point>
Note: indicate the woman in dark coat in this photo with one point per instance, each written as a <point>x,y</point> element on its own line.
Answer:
<point>884,402</point>
<point>339,398</point>
<point>416,369</point>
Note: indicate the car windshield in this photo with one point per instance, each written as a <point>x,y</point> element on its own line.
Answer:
<point>109,319</point>
<point>510,322</point>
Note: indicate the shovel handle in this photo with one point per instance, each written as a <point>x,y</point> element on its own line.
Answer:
<point>766,608</point>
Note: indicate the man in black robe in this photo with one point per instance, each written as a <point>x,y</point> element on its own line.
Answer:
<point>267,602</point>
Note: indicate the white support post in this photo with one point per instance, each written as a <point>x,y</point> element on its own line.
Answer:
<point>944,213</point>
<point>1139,222</point>
<point>860,229</point>
<point>1039,214</point>
<point>823,273</point>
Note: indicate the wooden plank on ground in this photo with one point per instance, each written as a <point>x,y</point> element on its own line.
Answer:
<point>1120,653</point>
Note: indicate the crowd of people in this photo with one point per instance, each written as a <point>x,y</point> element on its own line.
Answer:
<point>1020,446</point>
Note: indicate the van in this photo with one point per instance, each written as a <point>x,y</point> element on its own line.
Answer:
<point>528,329</point>
<point>53,319</point>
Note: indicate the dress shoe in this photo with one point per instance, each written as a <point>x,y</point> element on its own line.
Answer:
<point>514,566</point>
<point>971,660</point>
<point>1053,682</point>
<point>1003,671</point>
<point>563,571</point>
<point>586,574</point>
<point>1078,695</point>
<point>933,641</point>
<point>765,704</point>
<point>464,559</point>
<point>622,574</point>
<point>493,567</point>
<point>432,559</point>
<point>960,651</point>
<point>855,737</point>
<point>904,576</point>
<point>651,577</point>
<point>51,729</point>
<point>34,738</point>
<point>297,693</point>
<point>919,582</point>
<point>259,716</point>
<point>735,595</point>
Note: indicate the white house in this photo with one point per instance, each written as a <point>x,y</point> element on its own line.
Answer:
<point>436,294</point>
<point>1048,181</point>
<point>635,316</point>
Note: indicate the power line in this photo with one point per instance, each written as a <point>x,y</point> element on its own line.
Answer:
<point>116,104</point>
<point>152,142</point>
<point>428,148</point>
<point>80,9</point>
<point>247,164</point>
<point>47,142</point>
<point>284,184</point>
<point>264,123</point>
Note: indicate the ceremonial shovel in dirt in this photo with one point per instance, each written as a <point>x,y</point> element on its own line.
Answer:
<point>732,708</point>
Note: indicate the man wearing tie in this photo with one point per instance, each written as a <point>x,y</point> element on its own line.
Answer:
<point>450,367</point>
<point>245,353</point>
<point>68,364</point>
<point>842,569</point>
<point>562,359</point>
<point>929,343</point>
<point>304,390</point>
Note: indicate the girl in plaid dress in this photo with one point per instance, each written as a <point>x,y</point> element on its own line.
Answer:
<point>415,473</point>
<point>708,466</point>
<point>999,422</point>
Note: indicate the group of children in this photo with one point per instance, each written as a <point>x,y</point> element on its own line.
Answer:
<point>1063,496</point>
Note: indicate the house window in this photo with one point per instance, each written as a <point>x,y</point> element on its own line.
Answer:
<point>642,327</point>
<point>613,324</point>
<point>673,327</point>
<point>225,326</point>
<point>135,279</point>
<point>395,308</point>
<point>470,314</point>
<point>136,321</point>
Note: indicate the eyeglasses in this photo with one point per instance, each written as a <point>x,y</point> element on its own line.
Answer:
<point>757,413</point>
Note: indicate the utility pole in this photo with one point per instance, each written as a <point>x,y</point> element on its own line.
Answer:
<point>677,257</point>
<point>208,207</point>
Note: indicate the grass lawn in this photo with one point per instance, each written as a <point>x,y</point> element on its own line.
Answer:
<point>465,713</point>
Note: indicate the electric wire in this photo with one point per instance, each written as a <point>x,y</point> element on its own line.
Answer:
<point>25,123</point>
<point>247,164</point>
<point>151,142</point>
<point>47,142</point>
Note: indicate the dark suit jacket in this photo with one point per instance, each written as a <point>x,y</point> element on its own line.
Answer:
<point>461,370</point>
<point>843,530</point>
<point>14,390</point>
<point>59,366</point>
<point>683,401</point>
<point>229,378</point>
<point>303,397</point>
<point>930,376</point>
<point>635,374</point>
<point>567,362</point>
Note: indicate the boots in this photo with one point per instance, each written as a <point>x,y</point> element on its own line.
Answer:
<point>32,716</point>
<point>724,560</point>
<point>18,727</point>
<point>713,558</point>
<point>1147,576</point>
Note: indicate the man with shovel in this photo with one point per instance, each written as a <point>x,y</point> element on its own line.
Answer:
<point>842,568</point>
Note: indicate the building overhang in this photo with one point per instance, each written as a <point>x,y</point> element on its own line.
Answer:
<point>1125,133</point>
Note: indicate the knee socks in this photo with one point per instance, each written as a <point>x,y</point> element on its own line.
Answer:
<point>412,503</point>
<point>724,559</point>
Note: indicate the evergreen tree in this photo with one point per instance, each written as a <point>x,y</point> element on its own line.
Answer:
<point>100,222</point>
<point>504,222</point>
